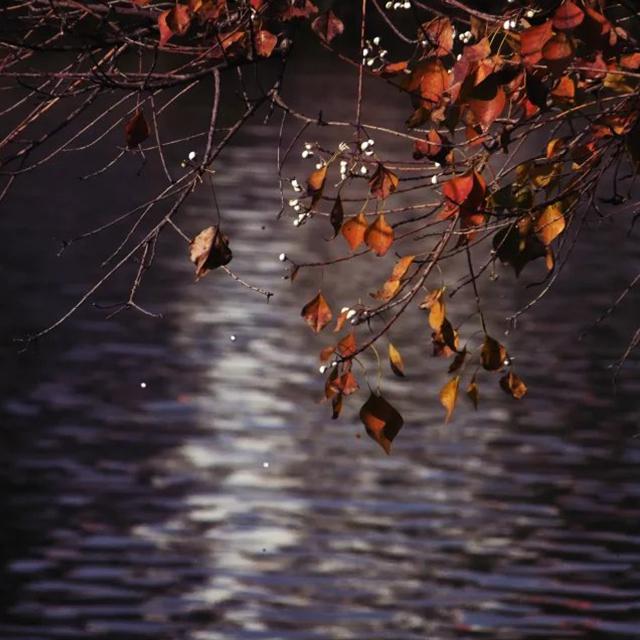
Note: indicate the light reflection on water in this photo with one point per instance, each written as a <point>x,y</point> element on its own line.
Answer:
<point>149,513</point>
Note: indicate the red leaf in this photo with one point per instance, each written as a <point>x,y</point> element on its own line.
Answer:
<point>567,16</point>
<point>317,313</point>
<point>265,42</point>
<point>328,26</point>
<point>532,41</point>
<point>136,131</point>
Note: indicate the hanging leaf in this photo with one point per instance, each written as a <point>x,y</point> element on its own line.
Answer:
<point>401,267</point>
<point>354,229</point>
<point>337,216</point>
<point>487,101</point>
<point>315,183</point>
<point>436,307</point>
<point>136,131</point>
<point>381,421</point>
<point>328,26</point>
<point>383,182</point>
<point>317,313</point>
<point>568,16</point>
<point>265,42</point>
<point>326,353</point>
<point>532,41</point>
<point>347,346</point>
<point>439,34</point>
<point>493,354</point>
<point>550,223</point>
<point>395,360</point>
<point>513,385</point>
<point>473,392</point>
<point>428,82</point>
<point>209,250</point>
<point>379,236</point>
<point>458,361</point>
<point>449,396</point>
<point>345,385</point>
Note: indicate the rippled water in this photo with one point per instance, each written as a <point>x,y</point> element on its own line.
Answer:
<point>131,512</point>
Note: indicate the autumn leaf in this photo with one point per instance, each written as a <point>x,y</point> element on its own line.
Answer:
<point>473,392</point>
<point>317,313</point>
<point>532,41</point>
<point>449,396</point>
<point>458,361</point>
<point>487,101</point>
<point>513,385</point>
<point>381,420</point>
<point>379,236</point>
<point>337,216</point>
<point>493,354</point>
<point>550,223</point>
<point>209,250</point>
<point>434,304</point>
<point>347,346</point>
<point>354,230</point>
<point>315,183</point>
<point>396,362</point>
<point>383,182</point>
<point>428,81</point>
<point>439,33</point>
<point>265,42</point>
<point>175,21</point>
<point>136,130</point>
<point>328,26</point>
<point>568,16</point>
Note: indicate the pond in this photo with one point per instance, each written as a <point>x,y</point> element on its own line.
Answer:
<point>178,478</point>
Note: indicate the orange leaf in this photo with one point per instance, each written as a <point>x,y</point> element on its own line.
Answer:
<point>532,41</point>
<point>395,360</point>
<point>315,183</point>
<point>487,111</point>
<point>449,396</point>
<point>379,236</point>
<point>401,267</point>
<point>381,421</point>
<point>347,346</point>
<point>439,32</point>
<point>493,354</point>
<point>473,392</point>
<point>317,313</point>
<point>513,385</point>
<point>265,42</point>
<point>354,229</point>
<point>550,223</point>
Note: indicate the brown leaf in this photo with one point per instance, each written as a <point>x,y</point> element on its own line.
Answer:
<point>473,392</point>
<point>209,250</point>
<point>265,42</point>
<point>513,385</point>
<point>383,182</point>
<point>493,354</point>
<point>136,131</point>
<point>395,360</point>
<point>328,26</point>
<point>381,421</point>
<point>346,384</point>
<point>179,19</point>
<point>389,289</point>
<point>379,236</point>
<point>550,223</point>
<point>449,396</point>
<point>317,313</point>
<point>401,267</point>
<point>347,346</point>
<point>326,353</point>
<point>337,216</point>
<point>354,229</point>
<point>458,361</point>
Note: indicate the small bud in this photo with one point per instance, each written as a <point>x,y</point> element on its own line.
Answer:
<point>344,309</point>
<point>363,170</point>
<point>434,179</point>
<point>293,202</point>
<point>192,155</point>
<point>232,338</point>
<point>351,313</point>
<point>365,52</point>
<point>282,257</point>
<point>143,385</point>
<point>376,40</point>
<point>319,165</point>
<point>322,369</point>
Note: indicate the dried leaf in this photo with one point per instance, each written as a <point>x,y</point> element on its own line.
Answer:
<point>381,421</point>
<point>347,346</point>
<point>395,360</point>
<point>326,353</point>
<point>473,392</point>
<point>337,216</point>
<point>532,41</point>
<point>493,354</point>
<point>568,16</point>
<point>379,235</point>
<point>449,396</point>
<point>315,183</point>
<point>383,182</point>
<point>439,33</point>
<point>328,26</point>
<point>209,250</point>
<point>265,42</point>
<point>513,385</point>
<point>550,223</point>
<point>317,313</point>
<point>136,131</point>
<point>458,361</point>
<point>401,267</point>
<point>354,229</point>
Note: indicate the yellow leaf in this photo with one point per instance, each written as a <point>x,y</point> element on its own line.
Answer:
<point>449,396</point>
<point>473,392</point>
<point>395,360</point>
<point>550,223</point>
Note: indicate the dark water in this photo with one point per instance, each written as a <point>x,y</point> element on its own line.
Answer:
<point>130,512</point>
